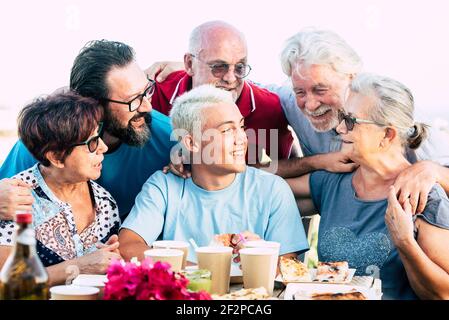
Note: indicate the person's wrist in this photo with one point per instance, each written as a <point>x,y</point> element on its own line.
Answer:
<point>317,162</point>
<point>406,244</point>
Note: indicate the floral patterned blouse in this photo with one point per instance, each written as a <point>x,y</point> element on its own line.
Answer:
<point>56,234</point>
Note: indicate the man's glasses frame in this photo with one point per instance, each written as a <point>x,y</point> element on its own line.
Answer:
<point>220,69</point>
<point>135,103</point>
<point>350,120</point>
<point>93,142</point>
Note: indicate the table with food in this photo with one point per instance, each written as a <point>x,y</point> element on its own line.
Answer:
<point>227,269</point>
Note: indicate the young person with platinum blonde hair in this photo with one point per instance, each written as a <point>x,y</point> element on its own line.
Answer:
<point>222,196</point>
<point>186,117</point>
<point>361,221</point>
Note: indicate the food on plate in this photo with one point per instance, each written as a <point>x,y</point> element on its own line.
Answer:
<point>332,271</point>
<point>245,294</point>
<point>353,295</point>
<point>224,238</point>
<point>293,270</point>
<point>229,239</point>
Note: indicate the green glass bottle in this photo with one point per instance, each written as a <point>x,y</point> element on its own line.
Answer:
<point>23,276</point>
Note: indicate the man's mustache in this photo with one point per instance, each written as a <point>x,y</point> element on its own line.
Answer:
<point>139,115</point>
<point>318,112</point>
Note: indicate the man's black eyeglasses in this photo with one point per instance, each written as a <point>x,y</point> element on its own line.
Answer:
<point>135,103</point>
<point>93,142</point>
<point>241,70</point>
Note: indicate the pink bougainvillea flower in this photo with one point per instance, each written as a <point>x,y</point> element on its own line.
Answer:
<point>147,281</point>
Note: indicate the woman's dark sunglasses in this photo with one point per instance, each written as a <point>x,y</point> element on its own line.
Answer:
<point>350,121</point>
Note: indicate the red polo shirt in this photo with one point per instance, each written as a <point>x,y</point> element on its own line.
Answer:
<point>261,109</point>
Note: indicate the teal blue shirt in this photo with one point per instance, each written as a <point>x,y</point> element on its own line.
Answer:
<point>173,208</point>
<point>124,171</point>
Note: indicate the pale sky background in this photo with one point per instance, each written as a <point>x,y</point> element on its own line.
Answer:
<point>402,39</point>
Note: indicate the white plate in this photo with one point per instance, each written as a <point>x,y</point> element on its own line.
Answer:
<point>305,290</point>
<point>235,270</point>
<point>74,290</point>
<point>314,280</point>
<point>94,280</point>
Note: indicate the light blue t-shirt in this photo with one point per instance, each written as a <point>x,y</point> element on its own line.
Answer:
<point>124,171</point>
<point>173,208</point>
<point>354,230</point>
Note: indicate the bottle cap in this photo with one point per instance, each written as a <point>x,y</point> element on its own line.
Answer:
<point>24,217</point>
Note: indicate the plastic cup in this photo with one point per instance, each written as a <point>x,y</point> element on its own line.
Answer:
<point>259,267</point>
<point>174,244</point>
<point>72,292</point>
<point>91,280</point>
<point>218,261</point>
<point>263,244</point>
<point>171,256</point>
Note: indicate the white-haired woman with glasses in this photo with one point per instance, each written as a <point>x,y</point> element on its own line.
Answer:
<point>361,219</point>
<point>76,220</point>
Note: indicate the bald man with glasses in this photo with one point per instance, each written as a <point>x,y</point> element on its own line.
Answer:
<point>217,55</point>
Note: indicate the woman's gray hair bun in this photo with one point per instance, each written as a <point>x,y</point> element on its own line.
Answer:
<point>417,133</point>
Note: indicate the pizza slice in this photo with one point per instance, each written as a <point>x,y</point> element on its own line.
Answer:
<point>353,295</point>
<point>228,239</point>
<point>245,294</point>
<point>293,270</point>
<point>224,239</point>
<point>332,271</point>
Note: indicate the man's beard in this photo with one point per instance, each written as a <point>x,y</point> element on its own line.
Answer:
<point>321,126</point>
<point>129,135</point>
